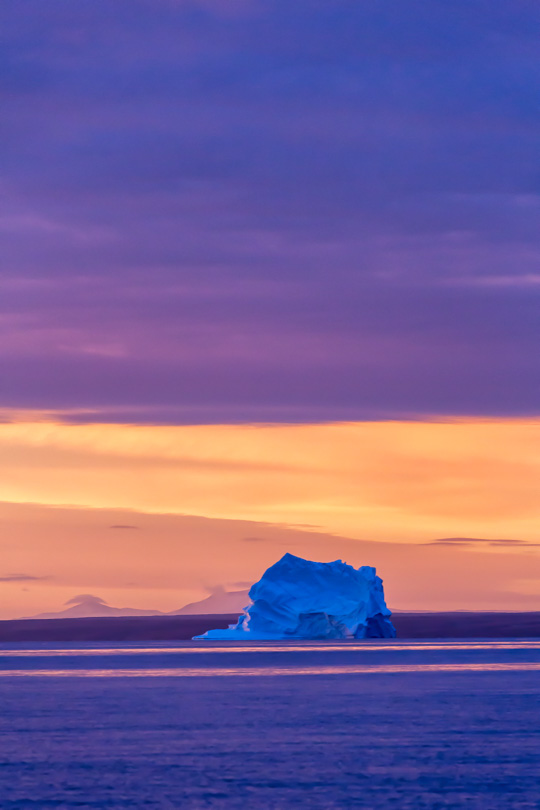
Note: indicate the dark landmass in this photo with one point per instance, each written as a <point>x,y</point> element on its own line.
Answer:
<point>113,628</point>
<point>181,628</point>
<point>463,624</point>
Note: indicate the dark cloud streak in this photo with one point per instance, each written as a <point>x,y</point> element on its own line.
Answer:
<point>487,541</point>
<point>122,526</point>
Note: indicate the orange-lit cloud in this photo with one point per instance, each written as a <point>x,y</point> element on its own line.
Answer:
<point>173,559</point>
<point>398,481</point>
<point>318,490</point>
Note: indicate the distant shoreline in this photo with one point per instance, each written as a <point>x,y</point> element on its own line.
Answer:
<point>459,624</point>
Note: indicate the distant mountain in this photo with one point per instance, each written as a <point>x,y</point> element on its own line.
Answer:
<point>85,605</point>
<point>220,601</point>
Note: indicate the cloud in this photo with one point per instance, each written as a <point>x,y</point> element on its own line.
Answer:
<point>23,578</point>
<point>442,576</point>
<point>85,599</point>
<point>299,539</point>
<point>280,223</point>
<point>122,526</point>
<point>462,541</point>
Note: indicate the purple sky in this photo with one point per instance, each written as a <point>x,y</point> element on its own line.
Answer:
<point>226,211</point>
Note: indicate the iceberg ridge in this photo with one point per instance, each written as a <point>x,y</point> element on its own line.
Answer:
<point>302,599</point>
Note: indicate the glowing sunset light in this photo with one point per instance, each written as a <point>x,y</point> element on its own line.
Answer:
<point>365,491</point>
<point>392,481</point>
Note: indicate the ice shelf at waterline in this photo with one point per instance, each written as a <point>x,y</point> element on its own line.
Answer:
<point>297,598</point>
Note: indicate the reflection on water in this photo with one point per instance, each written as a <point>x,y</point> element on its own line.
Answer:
<point>191,672</point>
<point>394,724</point>
<point>342,646</point>
<point>201,660</point>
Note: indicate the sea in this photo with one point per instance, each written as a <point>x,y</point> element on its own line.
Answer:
<point>379,724</point>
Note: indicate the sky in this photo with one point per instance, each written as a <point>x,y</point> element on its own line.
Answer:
<point>269,270</point>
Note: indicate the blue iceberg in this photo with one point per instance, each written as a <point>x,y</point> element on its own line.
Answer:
<point>301,599</point>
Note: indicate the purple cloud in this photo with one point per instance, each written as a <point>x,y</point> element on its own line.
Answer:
<point>229,212</point>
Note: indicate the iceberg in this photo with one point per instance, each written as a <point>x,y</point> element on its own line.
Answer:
<point>301,599</point>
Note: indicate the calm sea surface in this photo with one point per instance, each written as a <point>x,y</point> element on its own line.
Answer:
<point>310,725</point>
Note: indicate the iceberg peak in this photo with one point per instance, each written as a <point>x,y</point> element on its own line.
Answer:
<point>301,599</point>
